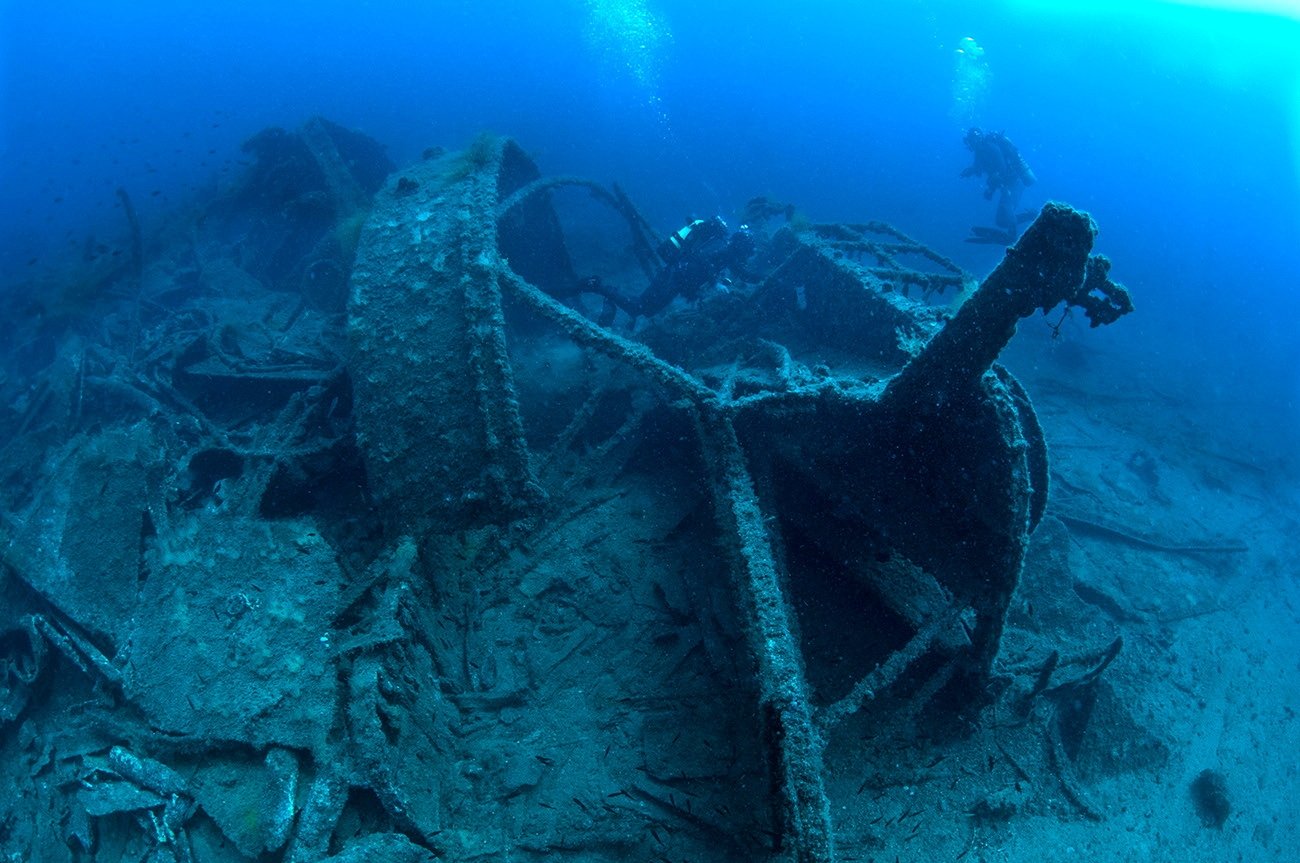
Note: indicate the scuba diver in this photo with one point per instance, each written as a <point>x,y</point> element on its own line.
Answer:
<point>1007,175</point>
<point>695,259</point>
<point>759,210</point>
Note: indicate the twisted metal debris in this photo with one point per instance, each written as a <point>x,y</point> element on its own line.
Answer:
<point>427,311</point>
<point>353,603</point>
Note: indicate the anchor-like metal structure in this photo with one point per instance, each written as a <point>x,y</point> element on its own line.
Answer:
<point>917,460</point>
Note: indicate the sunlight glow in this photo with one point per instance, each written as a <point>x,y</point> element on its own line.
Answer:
<point>1281,8</point>
<point>1289,9</point>
<point>1242,44</point>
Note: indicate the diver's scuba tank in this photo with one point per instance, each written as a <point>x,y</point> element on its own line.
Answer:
<point>671,248</point>
<point>693,235</point>
<point>1011,153</point>
<point>1026,173</point>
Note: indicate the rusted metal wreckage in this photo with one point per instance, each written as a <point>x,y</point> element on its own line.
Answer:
<point>252,651</point>
<point>918,460</point>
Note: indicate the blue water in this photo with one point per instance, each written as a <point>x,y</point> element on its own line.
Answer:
<point>200,571</point>
<point>1175,126</point>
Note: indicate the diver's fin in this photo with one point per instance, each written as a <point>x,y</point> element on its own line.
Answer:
<point>1025,216</point>
<point>991,236</point>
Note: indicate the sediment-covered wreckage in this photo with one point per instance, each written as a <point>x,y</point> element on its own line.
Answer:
<point>330,532</point>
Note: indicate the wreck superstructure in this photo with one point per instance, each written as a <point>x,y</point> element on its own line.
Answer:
<point>468,550</point>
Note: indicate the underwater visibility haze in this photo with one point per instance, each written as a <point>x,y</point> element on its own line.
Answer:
<point>649,430</point>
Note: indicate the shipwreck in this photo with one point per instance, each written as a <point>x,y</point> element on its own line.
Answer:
<point>340,529</point>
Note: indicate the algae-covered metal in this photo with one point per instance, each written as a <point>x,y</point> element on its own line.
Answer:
<point>452,569</point>
<point>827,403</point>
<point>436,412</point>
